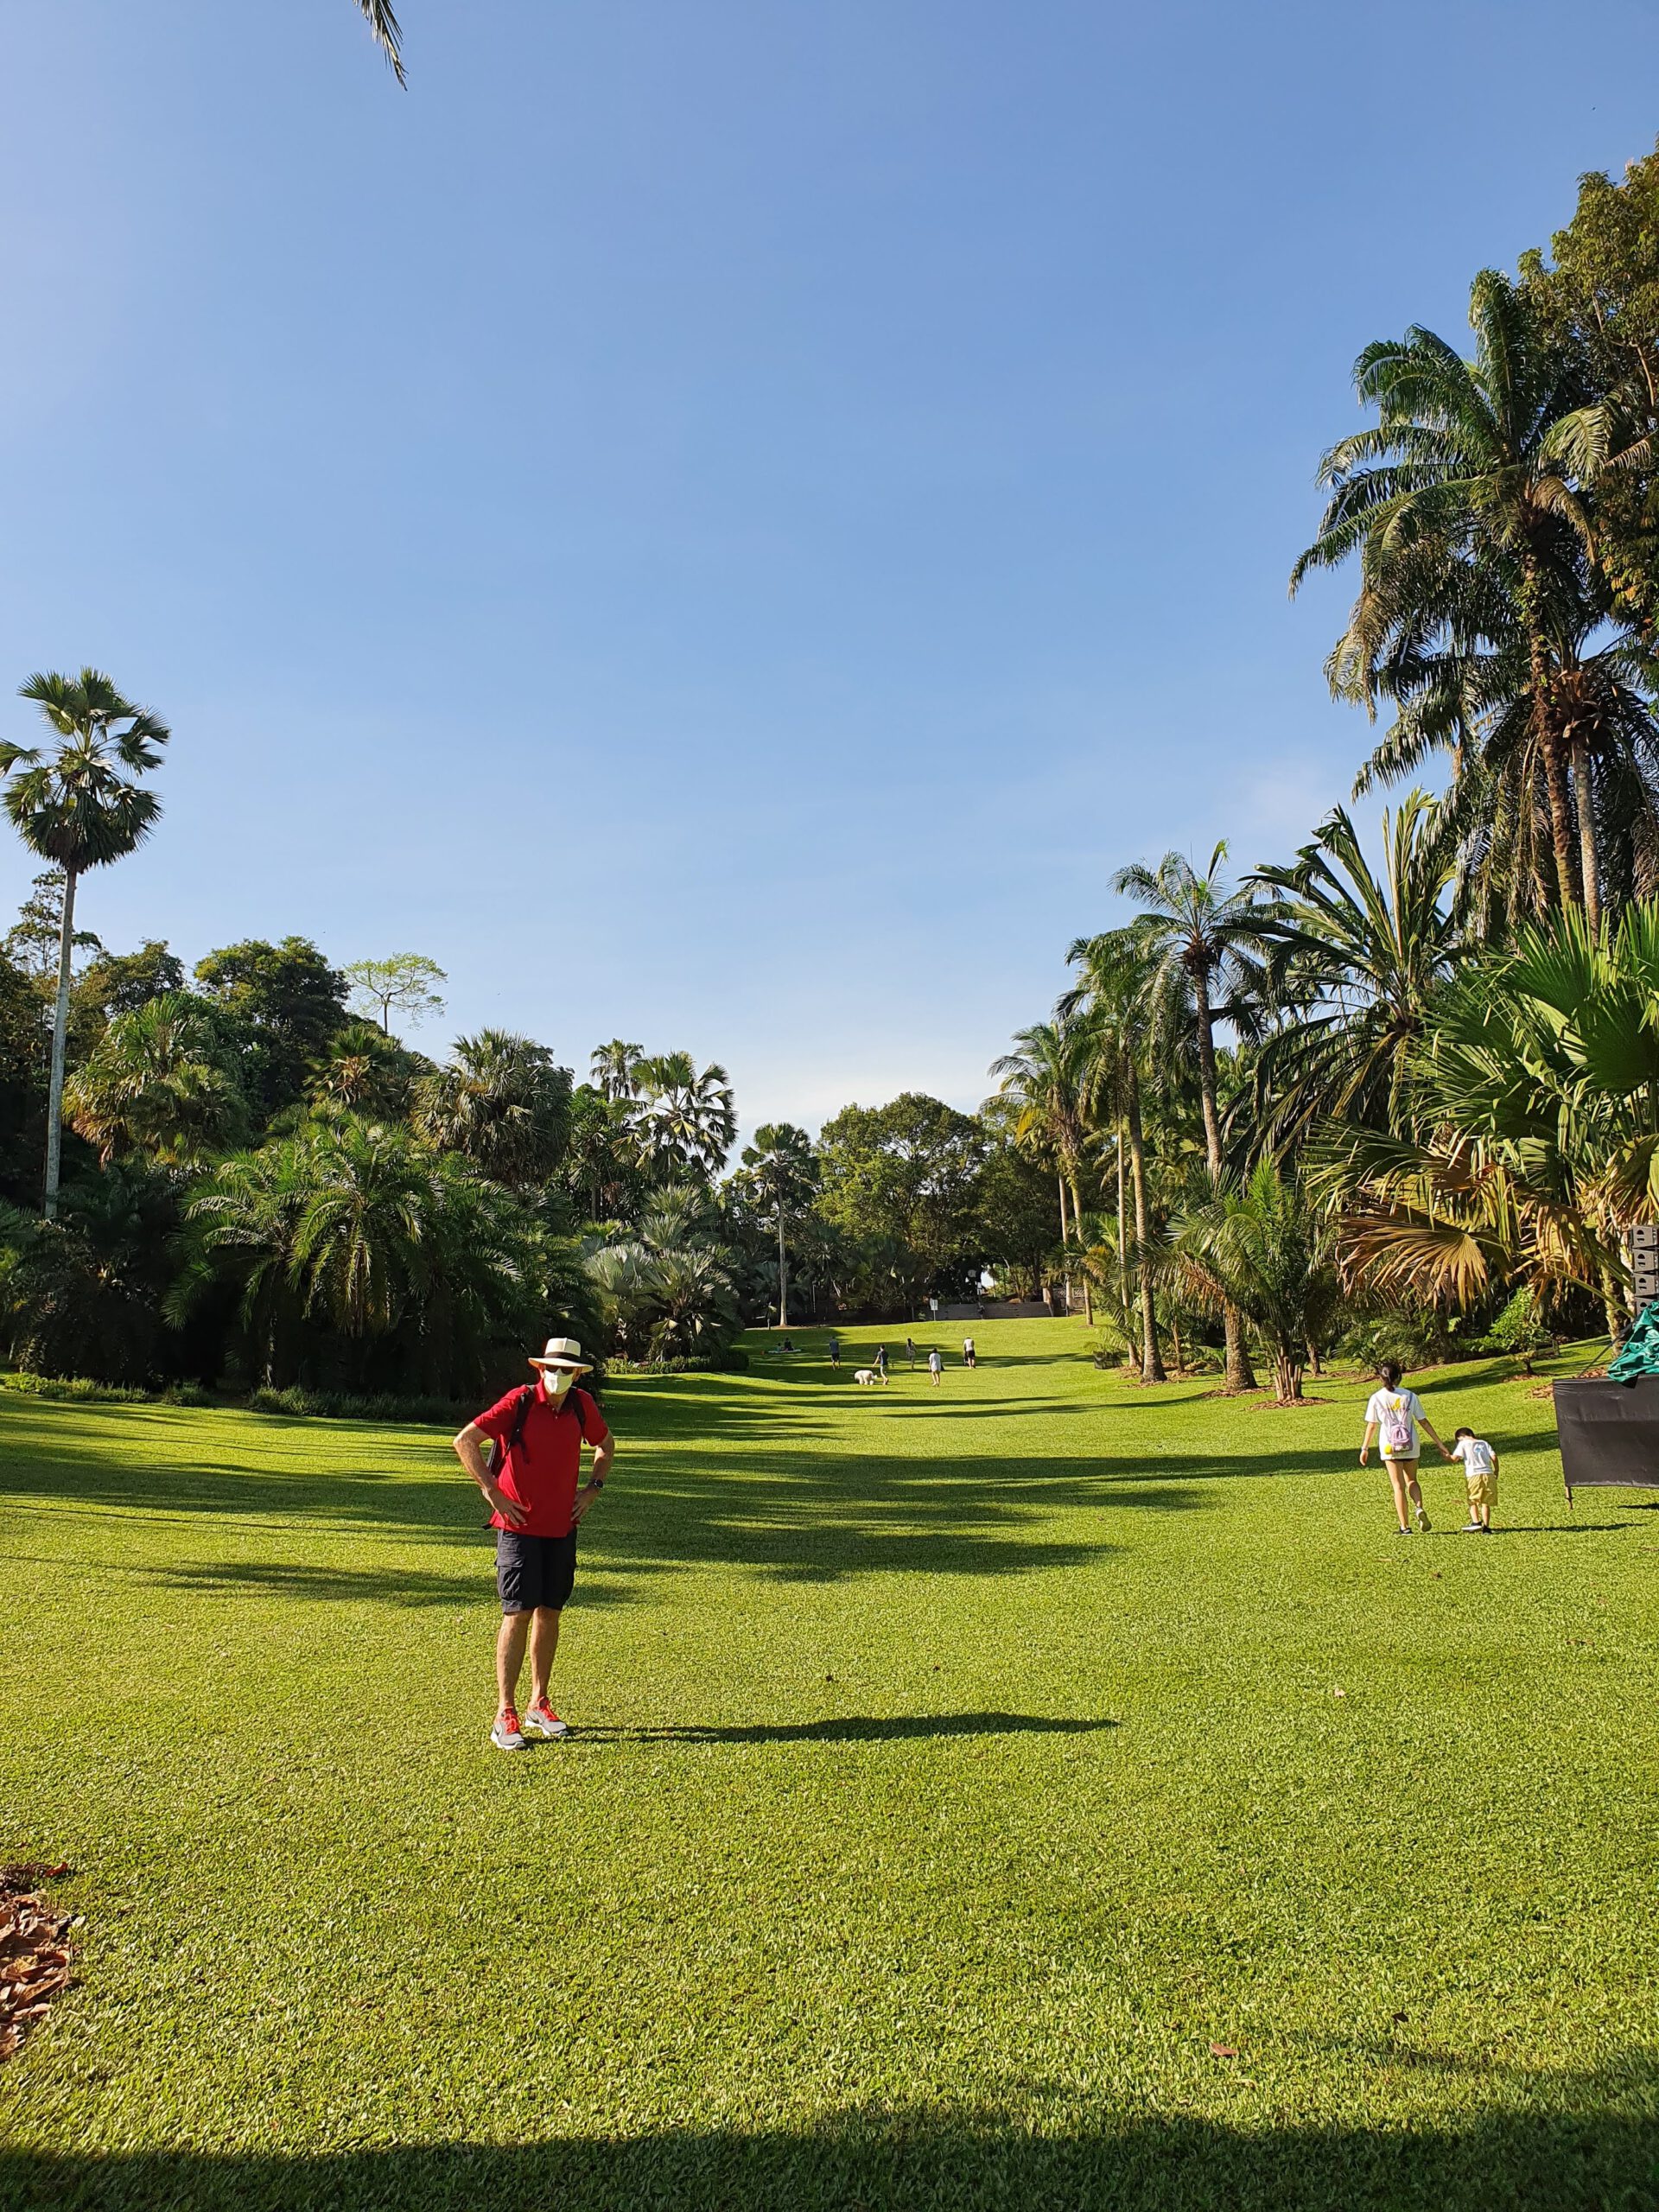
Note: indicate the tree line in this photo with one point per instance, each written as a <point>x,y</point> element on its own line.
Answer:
<point>244,1176</point>
<point>1414,1103</point>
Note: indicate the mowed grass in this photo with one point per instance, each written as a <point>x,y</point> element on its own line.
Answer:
<point>955,1771</point>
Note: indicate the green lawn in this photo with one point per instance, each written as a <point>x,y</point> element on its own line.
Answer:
<point>954,1771</point>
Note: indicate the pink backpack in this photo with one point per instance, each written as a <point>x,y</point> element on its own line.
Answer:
<point>1398,1436</point>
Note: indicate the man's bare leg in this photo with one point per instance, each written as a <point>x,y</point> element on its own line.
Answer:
<point>544,1642</point>
<point>510,1658</point>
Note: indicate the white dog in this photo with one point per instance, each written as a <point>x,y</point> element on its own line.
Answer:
<point>869,1377</point>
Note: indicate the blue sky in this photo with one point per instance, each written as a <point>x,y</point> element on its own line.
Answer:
<point>723,522</point>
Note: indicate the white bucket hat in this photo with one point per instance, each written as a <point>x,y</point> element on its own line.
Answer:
<point>565,1353</point>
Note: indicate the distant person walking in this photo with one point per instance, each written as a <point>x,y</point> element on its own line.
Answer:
<point>935,1366</point>
<point>909,1349</point>
<point>835,1350</point>
<point>881,1361</point>
<point>969,1357</point>
<point>1398,1414</point>
<point>531,1485</point>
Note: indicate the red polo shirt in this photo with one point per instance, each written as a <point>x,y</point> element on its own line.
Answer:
<point>544,1467</point>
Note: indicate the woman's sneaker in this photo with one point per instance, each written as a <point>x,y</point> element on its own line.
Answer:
<point>1422,1520</point>
<point>507,1735</point>
<point>542,1718</point>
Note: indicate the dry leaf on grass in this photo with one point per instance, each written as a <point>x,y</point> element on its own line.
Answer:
<point>36,1963</point>
<point>1223,2050</point>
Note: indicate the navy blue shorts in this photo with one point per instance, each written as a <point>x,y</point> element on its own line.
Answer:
<point>531,1572</point>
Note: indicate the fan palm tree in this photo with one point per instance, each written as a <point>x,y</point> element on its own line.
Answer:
<point>1109,1003</point>
<point>686,1119</point>
<point>1535,1134</point>
<point>1478,581</point>
<point>503,1104</point>
<point>1204,943</point>
<point>159,1082</point>
<point>72,805</point>
<point>614,1068</point>
<point>1041,1080</point>
<point>783,1166</point>
<point>1355,956</point>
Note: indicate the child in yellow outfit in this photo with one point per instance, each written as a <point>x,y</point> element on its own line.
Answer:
<point>1480,1469</point>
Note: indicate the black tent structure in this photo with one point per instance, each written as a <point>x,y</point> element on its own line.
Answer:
<point>1609,1425</point>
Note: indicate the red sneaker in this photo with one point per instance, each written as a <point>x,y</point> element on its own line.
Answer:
<point>542,1718</point>
<point>507,1735</point>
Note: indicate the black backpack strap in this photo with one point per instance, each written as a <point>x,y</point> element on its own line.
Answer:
<point>526,1400</point>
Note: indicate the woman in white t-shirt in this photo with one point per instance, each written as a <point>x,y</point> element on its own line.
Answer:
<point>1397,1416</point>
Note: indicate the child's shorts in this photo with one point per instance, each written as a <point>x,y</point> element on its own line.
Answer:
<point>1483,1491</point>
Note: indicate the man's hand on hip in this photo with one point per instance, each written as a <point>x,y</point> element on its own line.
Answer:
<point>511,1510</point>
<point>585,1497</point>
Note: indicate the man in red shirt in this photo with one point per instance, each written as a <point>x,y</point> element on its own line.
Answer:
<point>531,1486</point>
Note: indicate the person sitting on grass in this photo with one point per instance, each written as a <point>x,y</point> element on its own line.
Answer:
<point>1399,1415</point>
<point>531,1487</point>
<point>1480,1472</point>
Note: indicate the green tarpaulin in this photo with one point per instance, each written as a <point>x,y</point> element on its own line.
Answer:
<point>1639,1354</point>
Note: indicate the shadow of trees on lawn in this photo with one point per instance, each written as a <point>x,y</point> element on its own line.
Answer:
<point>1580,2144</point>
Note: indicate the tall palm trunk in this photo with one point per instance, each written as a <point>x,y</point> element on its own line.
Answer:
<point>1549,737</point>
<point>1239,1375</point>
<point>60,1043</point>
<point>1152,1364</point>
<point>1584,795</point>
<point>1083,1263</point>
<point>1065,1242</point>
<point>783,1272</point>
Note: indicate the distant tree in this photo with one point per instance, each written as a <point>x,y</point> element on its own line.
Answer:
<point>401,983</point>
<point>900,1181</point>
<point>120,982</point>
<point>35,939</point>
<point>1013,1215</point>
<point>601,1172</point>
<point>1205,944</point>
<point>286,1001</point>
<point>22,1077</point>
<point>83,1295</point>
<point>159,1082</point>
<point>685,1120</point>
<point>781,1165</point>
<point>72,805</point>
<point>502,1103</point>
<point>615,1068</point>
<point>1264,1250</point>
<point>366,1072</point>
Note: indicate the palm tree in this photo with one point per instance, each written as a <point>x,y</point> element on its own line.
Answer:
<point>1479,589</point>
<point>1533,1141</point>
<point>686,1120</point>
<point>1110,1001</point>
<point>159,1082</point>
<point>1261,1248</point>
<point>1041,1080</point>
<point>614,1068</point>
<point>1204,944</point>
<point>782,1164</point>
<point>75,808</point>
<point>388,32</point>
<point>1355,956</point>
<point>503,1104</point>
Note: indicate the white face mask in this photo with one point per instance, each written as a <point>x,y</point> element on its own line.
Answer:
<point>558,1381</point>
